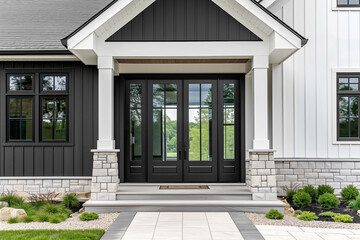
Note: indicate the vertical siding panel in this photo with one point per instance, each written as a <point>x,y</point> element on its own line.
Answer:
<point>169,19</point>
<point>212,22</point>
<point>58,161</point>
<point>179,20</point>
<point>190,19</point>
<point>299,83</point>
<point>137,28</point>
<point>38,161</point>
<point>343,35</point>
<point>277,101</point>
<point>9,161</point>
<point>201,19</point>
<point>148,23</point>
<point>78,121</point>
<point>68,161</point>
<point>48,161</point>
<point>310,79</point>
<point>95,101</point>
<point>321,79</point>
<point>28,161</point>
<point>18,161</point>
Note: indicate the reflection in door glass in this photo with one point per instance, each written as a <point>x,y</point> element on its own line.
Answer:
<point>200,122</point>
<point>165,122</point>
<point>135,122</point>
<point>229,122</point>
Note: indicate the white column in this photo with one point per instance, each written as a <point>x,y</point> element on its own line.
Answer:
<point>106,104</point>
<point>260,102</point>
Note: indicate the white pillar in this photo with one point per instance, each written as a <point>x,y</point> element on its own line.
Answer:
<point>260,102</point>
<point>106,104</point>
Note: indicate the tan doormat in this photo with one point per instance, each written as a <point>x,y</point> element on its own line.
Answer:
<point>184,187</point>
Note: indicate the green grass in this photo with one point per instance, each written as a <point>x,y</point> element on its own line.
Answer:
<point>52,234</point>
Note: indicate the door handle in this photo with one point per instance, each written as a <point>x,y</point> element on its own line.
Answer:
<point>179,155</point>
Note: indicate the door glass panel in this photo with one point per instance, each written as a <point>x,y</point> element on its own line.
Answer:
<point>135,122</point>
<point>200,122</point>
<point>165,122</point>
<point>229,122</point>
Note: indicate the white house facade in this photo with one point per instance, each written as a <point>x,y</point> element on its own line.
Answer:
<point>126,97</point>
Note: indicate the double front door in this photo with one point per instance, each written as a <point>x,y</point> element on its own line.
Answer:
<point>183,130</point>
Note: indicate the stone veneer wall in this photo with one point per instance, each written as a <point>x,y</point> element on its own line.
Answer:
<point>337,174</point>
<point>45,184</point>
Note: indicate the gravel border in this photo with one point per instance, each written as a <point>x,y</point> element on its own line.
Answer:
<point>260,219</point>
<point>72,223</point>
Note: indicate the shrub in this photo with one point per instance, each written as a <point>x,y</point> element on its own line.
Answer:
<point>12,199</point>
<point>312,192</point>
<point>52,209</point>
<point>355,204</point>
<point>325,189</point>
<point>274,214</point>
<point>343,218</point>
<point>85,216</point>
<point>28,219</point>
<point>301,199</point>
<point>327,214</point>
<point>290,194</point>
<point>297,213</point>
<point>308,216</point>
<point>70,201</point>
<point>13,220</point>
<point>329,201</point>
<point>39,204</point>
<point>65,211</point>
<point>61,216</point>
<point>43,217</point>
<point>349,193</point>
<point>54,220</point>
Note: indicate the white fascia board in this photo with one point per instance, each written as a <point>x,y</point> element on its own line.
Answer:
<point>267,3</point>
<point>183,49</point>
<point>88,57</point>
<point>12,58</point>
<point>277,5</point>
<point>280,48</point>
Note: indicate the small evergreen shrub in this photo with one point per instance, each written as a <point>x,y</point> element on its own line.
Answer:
<point>325,189</point>
<point>13,220</point>
<point>297,213</point>
<point>329,201</point>
<point>12,199</point>
<point>39,204</point>
<point>327,214</point>
<point>274,214</point>
<point>85,216</point>
<point>70,201</point>
<point>302,199</point>
<point>308,216</point>
<point>61,216</point>
<point>28,219</point>
<point>54,220</point>
<point>43,217</point>
<point>289,195</point>
<point>355,204</point>
<point>52,209</point>
<point>343,218</point>
<point>312,192</point>
<point>349,193</point>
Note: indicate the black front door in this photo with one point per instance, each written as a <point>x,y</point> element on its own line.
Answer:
<point>183,130</point>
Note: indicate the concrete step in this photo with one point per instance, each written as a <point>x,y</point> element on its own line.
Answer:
<point>183,206</point>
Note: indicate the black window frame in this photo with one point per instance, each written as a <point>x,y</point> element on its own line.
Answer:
<point>347,5</point>
<point>16,92</point>
<point>53,75</point>
<point>346,93</point>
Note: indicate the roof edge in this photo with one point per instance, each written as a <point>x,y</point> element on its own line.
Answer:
<point>35,52</point>
<point>303,39</point>
<point>65,39</point>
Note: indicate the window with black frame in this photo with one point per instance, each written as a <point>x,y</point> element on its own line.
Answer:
<point>348,94</point>
<point>348,3</point>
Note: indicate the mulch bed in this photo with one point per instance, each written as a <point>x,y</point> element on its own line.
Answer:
<point>316,208</point>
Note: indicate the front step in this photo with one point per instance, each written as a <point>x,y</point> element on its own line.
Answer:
<point>183,206</point>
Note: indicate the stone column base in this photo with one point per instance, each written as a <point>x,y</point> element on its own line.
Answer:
<point>105,178</point>
<point>262,175</point>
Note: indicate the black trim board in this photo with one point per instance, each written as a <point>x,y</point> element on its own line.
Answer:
<point>36,52</point>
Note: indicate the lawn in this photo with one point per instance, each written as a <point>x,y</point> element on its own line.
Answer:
<point>51,234</point>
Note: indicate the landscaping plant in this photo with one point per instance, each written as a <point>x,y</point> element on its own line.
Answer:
<point>349,193</point>
<point>289,195</point>
<point>302,199</point>
<point>13,220</point>
<point>325,189</point>
<point>327,214</point>
<point>28,219</point>
<point>297,213</point>
<point>274,214</point>
<point>311,191</point>
<point>70,201</point>
<point>355,204</point>
<point>54,220</point>
<point>11,199</point>
<point>343,218</point>
<point>329,201</point>
<point>85,216</point>
<point>308,216</point>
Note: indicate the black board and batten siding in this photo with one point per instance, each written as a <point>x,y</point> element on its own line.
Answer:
<point>183,20</point>
<point>71,158</point>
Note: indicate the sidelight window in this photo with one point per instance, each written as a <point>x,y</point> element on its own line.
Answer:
<point>229,121</point>
<point>135,122</point>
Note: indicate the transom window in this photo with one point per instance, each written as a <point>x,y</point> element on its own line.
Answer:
<point>50,93</point>
<point>348,3</point>
<point>348,106</point>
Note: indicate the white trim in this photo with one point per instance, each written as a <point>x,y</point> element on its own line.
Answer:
<point>47,178</point>
<point>317,160</point>
<point>69,57</point>
<point>336,8</point>
<point>333,104</point>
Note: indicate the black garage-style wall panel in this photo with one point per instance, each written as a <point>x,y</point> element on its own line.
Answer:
<point>183,20</point>
<point>72,158</point>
